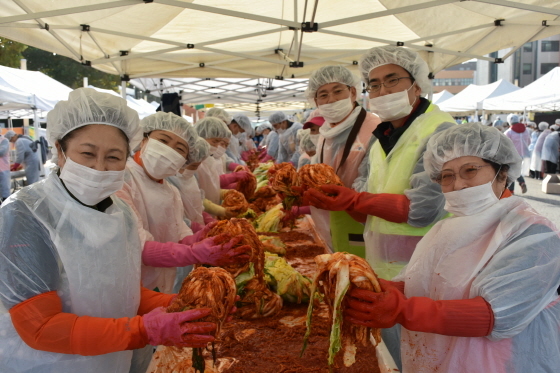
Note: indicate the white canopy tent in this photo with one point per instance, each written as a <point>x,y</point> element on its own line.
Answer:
<point>541,95</point>
<point>142,107</point>
<point>442,96</point>
<point>284,39</point>
<point>472,98</point>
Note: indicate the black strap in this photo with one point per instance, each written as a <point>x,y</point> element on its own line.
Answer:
<point>351,138</point>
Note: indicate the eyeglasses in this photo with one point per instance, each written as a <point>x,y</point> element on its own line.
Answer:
<point>337,94</point>
<point>467,172</point>
<point>389,83</point>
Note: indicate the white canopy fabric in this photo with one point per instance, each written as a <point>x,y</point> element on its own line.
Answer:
<point>472,98</point>
<point>142,107</point>
<point>24,89</point>
<point>245,38</point>
<point>442,96</point>
<point>541,95</point>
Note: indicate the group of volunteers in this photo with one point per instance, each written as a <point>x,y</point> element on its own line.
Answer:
<point>470,273</point>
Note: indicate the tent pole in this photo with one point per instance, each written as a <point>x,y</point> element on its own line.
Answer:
<point>123,89</point>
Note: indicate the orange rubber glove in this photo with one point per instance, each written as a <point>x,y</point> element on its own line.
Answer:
<point>462,318</point>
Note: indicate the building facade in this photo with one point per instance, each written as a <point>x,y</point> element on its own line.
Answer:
<point>456,78</point>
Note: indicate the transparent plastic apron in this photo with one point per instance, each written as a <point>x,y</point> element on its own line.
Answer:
<point>100,254</point>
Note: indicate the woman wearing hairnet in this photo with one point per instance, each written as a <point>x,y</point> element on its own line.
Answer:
<point>287,131</point>
<point>70,256</point>
<point>480,291</point>
<point>343,144</point>
<point>536,152</point>
<point>242,129</point>
<point>233,150</point>
<point>399,203</point>
<point>168,142</point>
<point>308,148</point>
<point>270,141</point>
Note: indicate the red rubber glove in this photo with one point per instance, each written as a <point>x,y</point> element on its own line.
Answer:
<point>174,329</point>
<point>199,235</point>
<point>215,251</point>
<point>15,167</point>
<point>462,318</point>
<point>340,198</point>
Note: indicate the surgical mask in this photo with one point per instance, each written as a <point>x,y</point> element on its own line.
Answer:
<point>241,135</point>
<point>392,106</point>
<point>160,161</point>
<point>187,174</point>
<point>90,186</point>
<point>217,152</point>
<point>314,138</point>
<point>280,131</point>
<point>470,201</point>
<point>337,111</point>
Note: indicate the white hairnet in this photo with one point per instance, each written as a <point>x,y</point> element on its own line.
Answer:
<point>212,127</point>
<point>512,118</point>
<point>88,106</point>
<point>471,139</point>
<point>405,58</point>
<point>220,114</point>
<point>264,126</point>
<point>327,75</point>
<point>162,121</point>
<point>9,134</point>
<point>554,127</point>
<point>305,143</point>
<point>543,126</point>
<point>277,117</point>
<point>245,123</point>
<point>199,152</point>
<point>557,121</point>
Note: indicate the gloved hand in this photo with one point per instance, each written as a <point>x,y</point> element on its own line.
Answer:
<point>15,167</point>
<point>199,235</point>
<point>215,251</point>
<point>227,180</point>
<point>196,227</point>
<point>207,218</point>
<point>342,198</point>
<point>174,329</point>
<point>463,318</point>
<point>216,210</point>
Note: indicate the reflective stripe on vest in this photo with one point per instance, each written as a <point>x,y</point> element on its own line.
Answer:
<point>391,173</point>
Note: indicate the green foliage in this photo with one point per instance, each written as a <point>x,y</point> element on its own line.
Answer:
<point>11,52</point>
<point>67,71</point>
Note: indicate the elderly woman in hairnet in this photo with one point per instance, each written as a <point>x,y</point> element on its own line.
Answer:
<point>70,256</point>
<point>398,202</point>
<point>480,291</point>
<point>287,131</point>
<point>168,144</point>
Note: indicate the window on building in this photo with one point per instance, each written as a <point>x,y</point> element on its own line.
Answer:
<point>550,46</point>
<point>527,68</point>
<point>528,47</point>
<point>546,67</point>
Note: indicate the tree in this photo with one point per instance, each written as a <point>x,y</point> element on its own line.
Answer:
<point>11,52</point>
<point>67,71</point>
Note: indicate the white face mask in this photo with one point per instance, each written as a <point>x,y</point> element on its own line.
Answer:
<point>392,106</point>
<point>280,131</point>
<point>470,201</point>
<point>337,111</point>
<point>187,174</point>
<point>88,185</point>
<point>217,152</point>
<point>160,161</point>
<point>314,138</point>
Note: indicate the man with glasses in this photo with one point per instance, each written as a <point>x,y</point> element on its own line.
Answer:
<point>343,143</point>
<point>399,200</point>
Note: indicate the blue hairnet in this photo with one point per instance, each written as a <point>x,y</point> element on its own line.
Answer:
<point>471,139</point>
<point>220,114</point>
<point>87,106</point>
<point>245,123</point>
<point>212,127</point>
<point>277,117</point>
<point>403,57</point>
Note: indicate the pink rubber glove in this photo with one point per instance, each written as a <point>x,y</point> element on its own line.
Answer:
<point>199,235</point>
<point>196,227</point>
<point>215,251</point>
<point>232,166</point>
<point>234,177</point>
<point>207,218</point>
<point>462,318</point>
<point>174,329</point>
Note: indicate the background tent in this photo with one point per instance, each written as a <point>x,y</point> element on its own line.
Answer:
<point>442,96</point>
<point>541,95</point>
<point>471,98</point>
<point>284,39</point>
<point>142,107</point>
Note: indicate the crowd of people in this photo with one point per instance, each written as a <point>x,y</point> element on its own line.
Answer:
<point>470,273</point>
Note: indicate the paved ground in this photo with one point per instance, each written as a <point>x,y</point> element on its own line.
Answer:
<point>546,204</point>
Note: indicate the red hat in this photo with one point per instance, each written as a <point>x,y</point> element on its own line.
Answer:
<point>318,121</point>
